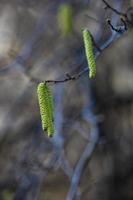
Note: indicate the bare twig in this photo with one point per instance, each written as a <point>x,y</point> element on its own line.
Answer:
<point>124,15</point>
<point>113,9</point>
<point>117,29</point>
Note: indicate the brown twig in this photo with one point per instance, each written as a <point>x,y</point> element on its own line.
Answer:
<point>68,78</point>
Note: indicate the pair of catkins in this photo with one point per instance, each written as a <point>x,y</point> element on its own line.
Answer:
<point>45,98</point>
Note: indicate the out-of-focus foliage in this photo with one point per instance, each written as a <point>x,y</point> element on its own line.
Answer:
<point>65,19</point>
<point>131,3</point>
<point>7,195</point>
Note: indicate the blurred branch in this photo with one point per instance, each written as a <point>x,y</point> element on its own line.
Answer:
<point>81,163</point>
<point>28,184</point>
<point>27,49</point>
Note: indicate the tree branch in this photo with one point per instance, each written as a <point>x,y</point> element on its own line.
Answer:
<point>108,6</point>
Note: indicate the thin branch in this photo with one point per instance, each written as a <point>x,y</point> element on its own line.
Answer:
<point>117,29</point>
<point>68,78</point>
<point>113,9</point>
<point>108,6</point>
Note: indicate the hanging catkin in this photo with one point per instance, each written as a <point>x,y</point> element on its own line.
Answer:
<point>46,108</point>
<point>89,53</point>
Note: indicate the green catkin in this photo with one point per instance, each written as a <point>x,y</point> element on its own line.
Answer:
<point>64,18</point>
<point>42,104</point>
<point>50,101</point>
<point>89,53</point>
<point>50,109</point>
<point>46,108</point>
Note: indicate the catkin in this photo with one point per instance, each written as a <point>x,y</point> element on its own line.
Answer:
<point>46,108</point>
<point>42,104</point>
<point>50,109</point>
<point>89,53</point>
<point>64,18</point>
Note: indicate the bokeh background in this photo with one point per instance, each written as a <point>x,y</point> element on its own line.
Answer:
<point>91,153</point>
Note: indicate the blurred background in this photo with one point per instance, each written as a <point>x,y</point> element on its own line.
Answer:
<point>91,153</point>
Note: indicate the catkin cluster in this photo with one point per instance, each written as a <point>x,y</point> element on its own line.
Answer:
<point>89,53</point>
<point>46,108</point>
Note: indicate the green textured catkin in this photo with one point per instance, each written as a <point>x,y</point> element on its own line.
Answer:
<point>64,18</point>
<point>50,101</point>
<point>42,104</point>
<point>89,53</point>
<point>50,110</point>
<point>46,108</point>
